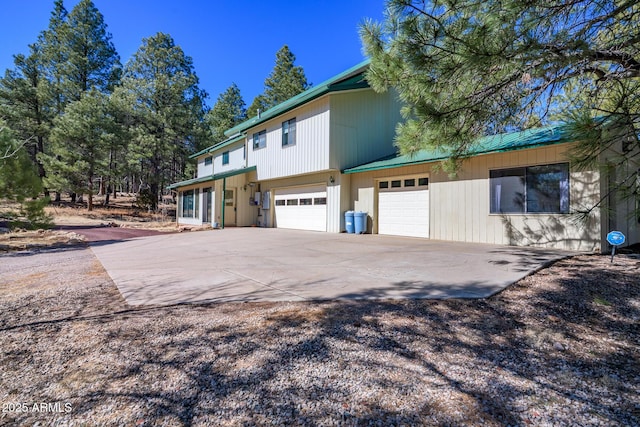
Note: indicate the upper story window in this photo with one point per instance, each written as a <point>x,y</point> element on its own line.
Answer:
<point>208,161</point>
<point>289,132</point>
<point>225,158</point>
<point>260,139</point>
<point>533,189</point>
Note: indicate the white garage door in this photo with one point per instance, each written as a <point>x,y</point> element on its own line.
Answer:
<point>302,208</point>
<point>403,206</point>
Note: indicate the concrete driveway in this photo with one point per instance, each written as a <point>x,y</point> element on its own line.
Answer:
<point>256,264</point>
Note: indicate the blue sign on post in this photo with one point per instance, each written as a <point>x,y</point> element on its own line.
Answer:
<point>615,239</point>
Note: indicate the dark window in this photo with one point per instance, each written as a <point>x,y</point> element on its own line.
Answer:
<point>409,182</point>
<point>260,139</point>
<point>534,189</point>
<point>423,181</point>
<point>292,202</point>
<point>320,201</point>
<point>289,132</point>
<point>187,204</point>
<point>396,184</point>
<point>305,202</point>
<point>208,161</point>
<point>383,184</point>
<point>225,158</point>
<point>279,202</point>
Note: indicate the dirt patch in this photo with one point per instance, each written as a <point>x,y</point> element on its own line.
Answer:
<point>558,348</point>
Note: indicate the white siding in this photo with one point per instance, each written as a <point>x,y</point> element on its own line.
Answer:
<point>236,159</point>
<point>202,169</point>
<point>310,152</point>
<point>363,126</point>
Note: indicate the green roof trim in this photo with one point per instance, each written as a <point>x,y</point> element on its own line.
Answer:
<point>227,142</point>
<point>213,177</point>
<point>531,138</point>
<point>353,78</point>
<point>217,145</point>
<point>191,182</point>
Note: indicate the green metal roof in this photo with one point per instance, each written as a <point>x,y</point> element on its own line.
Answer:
<point>490,144</point>
<point>213,177</point>
<point>217,145</point>
<point>227,142</point>
<point>353,78</point>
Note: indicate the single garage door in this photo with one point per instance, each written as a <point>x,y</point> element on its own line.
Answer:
<point>302,208</point>
<point>403,206</point>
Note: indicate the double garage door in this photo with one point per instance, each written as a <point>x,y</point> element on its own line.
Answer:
<point>403,206</point>
<point>302,208</point>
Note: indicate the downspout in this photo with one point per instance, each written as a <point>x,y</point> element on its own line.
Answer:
<point>224,190</point>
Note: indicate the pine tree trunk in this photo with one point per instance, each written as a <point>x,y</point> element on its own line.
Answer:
<point>90,195</point>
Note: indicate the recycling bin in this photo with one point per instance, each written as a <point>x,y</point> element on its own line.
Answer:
<point>348,222</point>
<point>360,222</point>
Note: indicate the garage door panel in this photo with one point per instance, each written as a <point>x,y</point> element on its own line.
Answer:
<point>302,208</point>
<point>404,212</point>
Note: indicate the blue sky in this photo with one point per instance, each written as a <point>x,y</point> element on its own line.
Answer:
<point>229,41</point>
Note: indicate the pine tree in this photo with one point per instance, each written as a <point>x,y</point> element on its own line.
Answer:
<point>78,57</point>
<point>467,69</point>
<point>285,81</point>
<point>228,111</point>
<point>91,58</point>
<point>19,179</point>
<point>81,138</point>
<point>22,104</point>
<point>166,109</point>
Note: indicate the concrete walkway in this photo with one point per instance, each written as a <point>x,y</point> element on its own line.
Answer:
<point>255,264</point>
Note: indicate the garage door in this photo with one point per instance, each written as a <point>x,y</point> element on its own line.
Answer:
<point>302,208</point>
<point>403,206</point>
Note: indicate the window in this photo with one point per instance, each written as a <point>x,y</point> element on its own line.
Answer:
<point>187,204</point>
<point>260,139</point>
<point>292,202</point>
<point>305,202</point>
<point>409,182</point>
<point>320,201</point>
<point>383,184</point>
<point>208,161</point>
<point>289,132</point>
<point>396,184</point>
<point>534,189</point>
<point>423,181</point>
<point>279,202</point>
<point>225,158</point>
<point>196,203</point>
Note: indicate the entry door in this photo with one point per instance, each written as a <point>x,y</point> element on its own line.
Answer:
<point>230,206</point>
<point>206,214</point>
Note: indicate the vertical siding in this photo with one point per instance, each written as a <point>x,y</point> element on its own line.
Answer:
<point>309,154</point>
<point>236,159</point>
<point>338,195</point>
<point>459,207</point>
<point>362,127</point>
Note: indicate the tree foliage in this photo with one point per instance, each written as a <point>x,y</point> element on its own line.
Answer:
<point>285,81</point>
<point>466,68</point>
<point>228,111</point>
<point>166,111</point>
<point>80,139</point>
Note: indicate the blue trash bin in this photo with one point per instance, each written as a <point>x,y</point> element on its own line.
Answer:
<point>360,220</point>
<point>348,222</point>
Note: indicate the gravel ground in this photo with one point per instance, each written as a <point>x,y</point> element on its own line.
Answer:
<point>561,347</point>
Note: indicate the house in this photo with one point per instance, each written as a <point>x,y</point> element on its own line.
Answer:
<point>328,150</point>
<point>514,189</point>
<point>283,168</point>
